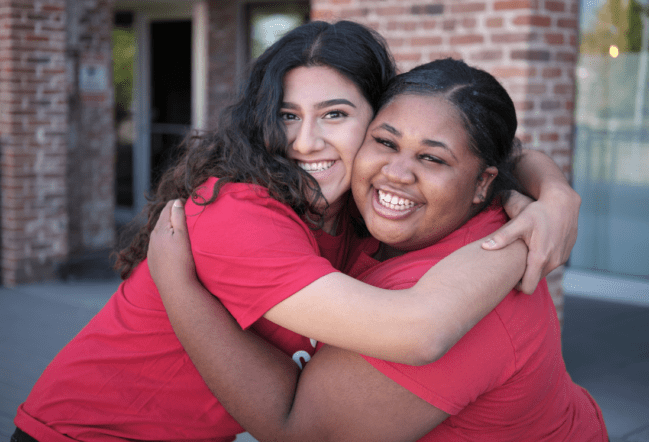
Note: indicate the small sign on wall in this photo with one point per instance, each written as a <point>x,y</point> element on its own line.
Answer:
<point>93,78</point>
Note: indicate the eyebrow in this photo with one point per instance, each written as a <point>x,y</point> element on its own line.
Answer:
<point>322,104</point>
<point>426,142</point>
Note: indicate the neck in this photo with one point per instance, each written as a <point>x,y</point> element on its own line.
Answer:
<point>332,215</point>
<point>386,252</point>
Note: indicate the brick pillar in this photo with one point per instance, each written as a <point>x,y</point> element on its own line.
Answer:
<point>91,147</point>
<point>222,52</point>
<point>33,139</point>
<point>530,45</point>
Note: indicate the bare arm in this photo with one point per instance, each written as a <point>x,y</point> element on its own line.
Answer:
<point>548,226</point>
<point>338,397</point>
<point>414,326</point>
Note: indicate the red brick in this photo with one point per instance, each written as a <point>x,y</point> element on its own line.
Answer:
<point>438,55</point>
<point>549,138</point>
<point>449,25</point>
<point>434,9</point>
<point>354,13</point>
<point>551,72</point>
<point>469,23</point>
<point>554,39</point>
<point>567,23</point>
<point>466,8</point>
<point>533,20</point>
<point>487,55</point>
<point>530,55</point>
<point>494,22</point>
<point>409,56</point>
<point>529,88</point>
<point>426,41</point>
<point>509,72</point>
<point>563,89</point>
<point>555,6</point>
<point>515,4</point>
<point>562,121</point>
<point>570,57</point>
<point>469,39</point>
<point>519,37</point>
<point>391,10</point>
<point>525,105</point>
<point>549,105</point>
<point>429,24</point>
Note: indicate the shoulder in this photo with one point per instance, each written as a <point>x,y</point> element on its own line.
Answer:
<point>243,217</point>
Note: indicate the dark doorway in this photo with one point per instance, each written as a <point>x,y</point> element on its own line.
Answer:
<point>124,49</point>
<point>171,52</point>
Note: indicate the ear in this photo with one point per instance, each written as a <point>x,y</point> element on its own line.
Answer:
<point>484,182</point>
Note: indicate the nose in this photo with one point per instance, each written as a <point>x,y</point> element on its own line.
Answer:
<point>308,138</point>
<point>399,170</point>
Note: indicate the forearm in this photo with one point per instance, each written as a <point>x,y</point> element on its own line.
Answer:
<point>540,175</point>
<point>414,326</point>
<point>252,379</point>
<point>468,284</point>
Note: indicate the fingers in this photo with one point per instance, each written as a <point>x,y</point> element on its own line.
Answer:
<point>531,278</point>
<point>164,221</point>
<point>504,236</point>
<point>177,218</point>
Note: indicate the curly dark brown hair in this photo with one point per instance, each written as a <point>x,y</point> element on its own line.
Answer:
<point>250,145</point>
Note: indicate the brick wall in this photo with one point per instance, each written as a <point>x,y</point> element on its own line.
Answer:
<point>530,45</point>
<point>57,141</point>
<point>222,55</point>
<point>91,147</point>
<point>33,138</point>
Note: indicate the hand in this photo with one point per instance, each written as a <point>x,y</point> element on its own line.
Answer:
<point>169,255</point>
<point>548,227</point>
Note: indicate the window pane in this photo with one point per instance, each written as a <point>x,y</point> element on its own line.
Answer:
<point>611,164</point>
<point>269,22</point>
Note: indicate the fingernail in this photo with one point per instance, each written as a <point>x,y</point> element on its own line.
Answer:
<point>177,203</point>
<point>490,243</point>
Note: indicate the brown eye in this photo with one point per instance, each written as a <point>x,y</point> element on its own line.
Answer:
<point>432,159</point>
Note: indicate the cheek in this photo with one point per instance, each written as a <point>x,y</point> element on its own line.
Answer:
<point>361,174</point>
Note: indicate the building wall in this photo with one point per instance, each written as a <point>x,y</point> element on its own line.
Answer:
<point>56,139</point>
<point>529,45</point>
<point>223,52</point>
<point>33,138</point>
<point>91,146</point>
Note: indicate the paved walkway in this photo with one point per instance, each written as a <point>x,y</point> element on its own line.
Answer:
<point>605,344</point>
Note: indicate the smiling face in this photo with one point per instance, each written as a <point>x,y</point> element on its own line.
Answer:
<point>326,117</point>
<point>415,177</point>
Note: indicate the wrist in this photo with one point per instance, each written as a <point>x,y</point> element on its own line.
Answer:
<point>560,192</point>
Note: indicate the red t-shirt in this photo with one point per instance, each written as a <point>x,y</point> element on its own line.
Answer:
<point>126,376</point>
<point>505,380</point>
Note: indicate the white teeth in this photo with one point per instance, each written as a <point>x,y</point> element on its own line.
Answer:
<point>316,167</point>
<point>394,202</point>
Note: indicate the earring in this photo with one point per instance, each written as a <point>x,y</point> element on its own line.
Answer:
<point>481,198</point>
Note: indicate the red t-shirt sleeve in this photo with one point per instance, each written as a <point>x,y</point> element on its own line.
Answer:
<point>251,251</point>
